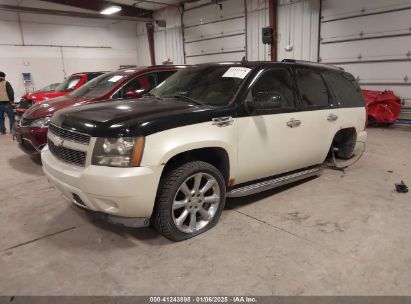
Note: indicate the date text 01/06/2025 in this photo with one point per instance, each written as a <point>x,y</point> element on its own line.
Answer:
<point>199,299</point>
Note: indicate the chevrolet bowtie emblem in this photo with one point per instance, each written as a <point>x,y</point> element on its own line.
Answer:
<point>58,141</point>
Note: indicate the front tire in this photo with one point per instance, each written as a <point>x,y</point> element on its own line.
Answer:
<point>190,201</point>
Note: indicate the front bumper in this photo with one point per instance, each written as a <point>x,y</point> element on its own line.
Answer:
<point>31,140</point>
<point>120,192</point>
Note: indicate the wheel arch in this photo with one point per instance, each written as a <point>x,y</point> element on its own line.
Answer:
<point>345,137</point>
<point>214,155</point>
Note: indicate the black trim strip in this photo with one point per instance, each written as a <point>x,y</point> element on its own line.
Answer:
<point>219,37</point>
<point>215,53</point>
<point>217,21</point>
<point>368,14</point>
<point>368,61</point>
<point>367,38</point>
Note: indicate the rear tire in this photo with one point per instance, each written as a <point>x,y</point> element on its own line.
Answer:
<point>189,201</point>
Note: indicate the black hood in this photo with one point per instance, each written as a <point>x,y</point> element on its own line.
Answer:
<point>131,117</point>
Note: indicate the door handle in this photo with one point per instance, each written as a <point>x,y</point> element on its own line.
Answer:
<point>332,117</point>
<point>223,121</point>
<point>293,123</point>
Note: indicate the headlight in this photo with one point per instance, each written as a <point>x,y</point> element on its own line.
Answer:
<point>40,123</point>
<point>118,152</point>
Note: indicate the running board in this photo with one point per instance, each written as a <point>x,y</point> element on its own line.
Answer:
<point>274,183</point>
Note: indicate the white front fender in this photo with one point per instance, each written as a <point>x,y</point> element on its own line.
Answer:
<point>161,147</point>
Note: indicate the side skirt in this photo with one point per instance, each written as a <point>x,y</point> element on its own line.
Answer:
<point>274,182</point>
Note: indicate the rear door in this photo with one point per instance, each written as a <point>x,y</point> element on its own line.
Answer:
<point>271,142</point>
<point>319,115</point>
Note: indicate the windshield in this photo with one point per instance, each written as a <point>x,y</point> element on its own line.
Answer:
<point>209,85</point>
<point>68,84</point>
<point>98,86</point>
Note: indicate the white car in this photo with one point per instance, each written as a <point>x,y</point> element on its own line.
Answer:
<point>208,132</point>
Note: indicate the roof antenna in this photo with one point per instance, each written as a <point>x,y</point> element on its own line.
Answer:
<point>244,60</point>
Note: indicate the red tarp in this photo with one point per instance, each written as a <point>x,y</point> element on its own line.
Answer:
<point>382,107</point>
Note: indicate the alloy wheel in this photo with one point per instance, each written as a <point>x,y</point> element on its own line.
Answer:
<point>196,202</point>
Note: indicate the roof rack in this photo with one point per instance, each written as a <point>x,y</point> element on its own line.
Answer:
<point>324,65</point>
<point>168,64</point>
<point>92,72</point>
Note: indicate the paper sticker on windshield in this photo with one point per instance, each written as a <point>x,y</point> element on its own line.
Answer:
<point>237,72</point>
<point>115,78</point>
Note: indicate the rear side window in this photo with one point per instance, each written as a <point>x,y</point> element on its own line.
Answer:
<point>312,88</point>
<point>345,89</point>
<point>142,85</point>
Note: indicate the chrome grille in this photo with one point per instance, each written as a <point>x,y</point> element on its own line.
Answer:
<point>68,155</point>
<point>70,135</point>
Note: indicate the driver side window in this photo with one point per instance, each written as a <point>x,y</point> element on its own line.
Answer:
<point>137,86</point>
<point>276,81</point>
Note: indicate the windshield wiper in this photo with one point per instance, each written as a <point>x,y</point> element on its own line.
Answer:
<point>151,95</point>
<point>188,99</point>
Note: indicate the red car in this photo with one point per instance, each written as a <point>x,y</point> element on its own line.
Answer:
<point>31,130</point>
<point>72,83</point>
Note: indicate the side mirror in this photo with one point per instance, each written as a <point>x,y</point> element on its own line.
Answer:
<point>133,94</point>
<point>270,100</point>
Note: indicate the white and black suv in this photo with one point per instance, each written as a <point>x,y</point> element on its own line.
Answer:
<point>208,132</point>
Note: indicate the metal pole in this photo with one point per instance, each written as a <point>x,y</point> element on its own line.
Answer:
<point>272,13</point>
<point>246,29</point>
<point>319,32</point>
<point>150,37</point>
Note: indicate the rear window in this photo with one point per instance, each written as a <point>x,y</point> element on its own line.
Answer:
<point>312,88</point>
<point>345,89</point>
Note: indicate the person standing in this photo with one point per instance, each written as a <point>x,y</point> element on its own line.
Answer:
<point>6,98</point>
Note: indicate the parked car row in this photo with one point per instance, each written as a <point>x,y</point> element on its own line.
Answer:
<point>72,83</point>
<point>194,137</point>
<point>31,131</point>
